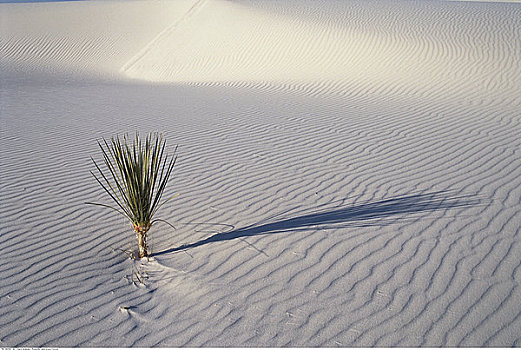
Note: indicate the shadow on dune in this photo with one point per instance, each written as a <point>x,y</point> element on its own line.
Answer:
<point>377,213</point>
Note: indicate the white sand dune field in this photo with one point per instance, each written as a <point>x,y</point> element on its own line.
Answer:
<point>349,173</point>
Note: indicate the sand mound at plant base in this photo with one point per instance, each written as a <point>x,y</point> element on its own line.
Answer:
<point>349,173</point>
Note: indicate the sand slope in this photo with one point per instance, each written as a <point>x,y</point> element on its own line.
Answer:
<point>343,47</point>
<point>349,173</point>
<point>85,37</point>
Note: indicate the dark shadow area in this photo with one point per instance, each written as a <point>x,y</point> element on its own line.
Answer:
<point>378,213</point>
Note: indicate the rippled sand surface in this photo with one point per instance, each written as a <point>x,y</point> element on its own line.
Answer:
<point>349,173</point>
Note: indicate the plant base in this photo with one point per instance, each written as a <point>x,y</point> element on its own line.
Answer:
<point>141,233</point>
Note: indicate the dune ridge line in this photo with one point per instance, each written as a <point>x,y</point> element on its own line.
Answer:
<point>191,12</point>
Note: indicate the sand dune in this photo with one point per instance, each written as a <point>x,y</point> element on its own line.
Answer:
<point>87,37</point>
<point>432,48</point>
<point>349,173</point>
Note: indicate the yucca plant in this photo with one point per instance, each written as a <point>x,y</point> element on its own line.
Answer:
<point>135,177</point>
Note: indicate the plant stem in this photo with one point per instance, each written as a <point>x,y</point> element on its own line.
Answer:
<point>142,242</point>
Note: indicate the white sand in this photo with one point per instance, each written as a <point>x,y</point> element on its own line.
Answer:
<point>349,173</point>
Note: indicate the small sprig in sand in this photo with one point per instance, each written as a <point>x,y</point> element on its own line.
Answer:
<point>135,178</point>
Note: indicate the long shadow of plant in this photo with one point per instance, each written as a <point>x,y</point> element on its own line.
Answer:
<point>379,213</point>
